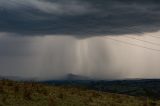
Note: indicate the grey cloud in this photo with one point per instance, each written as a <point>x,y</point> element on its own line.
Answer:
<point>79,18</point>
<point>46,6</point>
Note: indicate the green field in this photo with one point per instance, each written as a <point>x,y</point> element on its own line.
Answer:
<point>33,94</point>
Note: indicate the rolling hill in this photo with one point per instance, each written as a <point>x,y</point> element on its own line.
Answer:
<point>14,93</point>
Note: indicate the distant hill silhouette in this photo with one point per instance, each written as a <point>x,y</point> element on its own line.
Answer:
<point>71,76</point>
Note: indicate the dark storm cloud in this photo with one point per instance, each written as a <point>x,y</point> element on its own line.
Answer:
<point>79,18</point>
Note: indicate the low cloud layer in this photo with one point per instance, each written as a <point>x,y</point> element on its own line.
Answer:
<point>79,18</point>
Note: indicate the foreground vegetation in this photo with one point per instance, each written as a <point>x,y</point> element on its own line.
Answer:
<point>35,94</point>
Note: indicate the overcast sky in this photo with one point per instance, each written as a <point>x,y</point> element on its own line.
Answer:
<point>105,39</point>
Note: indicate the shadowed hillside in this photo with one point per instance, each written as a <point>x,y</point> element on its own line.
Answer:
<point>133,87</point>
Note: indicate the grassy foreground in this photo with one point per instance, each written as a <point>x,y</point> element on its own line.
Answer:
<point>33,94</point>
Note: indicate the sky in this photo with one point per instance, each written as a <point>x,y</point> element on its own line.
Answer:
<point>101,39</point>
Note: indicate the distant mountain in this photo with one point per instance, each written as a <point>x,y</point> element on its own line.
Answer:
<point>71,76</point>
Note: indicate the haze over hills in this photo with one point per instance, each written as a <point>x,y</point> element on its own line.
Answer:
<point>68,76</point>
<point>72,77</point>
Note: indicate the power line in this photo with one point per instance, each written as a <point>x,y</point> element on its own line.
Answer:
<point>154,36</point>
<point>157,44</point>
<point>157,50</point>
